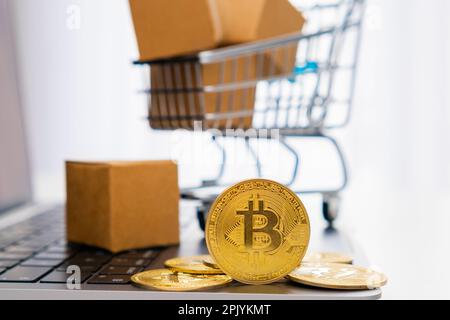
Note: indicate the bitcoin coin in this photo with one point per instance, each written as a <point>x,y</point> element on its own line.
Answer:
<point>192,265</point>
<point>209,261</point>
<point>337,276</point>
<point>330,257</point>
<point>167,280</point>
<point>257,231</point>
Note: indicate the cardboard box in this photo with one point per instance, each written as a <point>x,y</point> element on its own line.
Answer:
<point>171,28</point>
<point>188,104</point>
<point>122,205</point>
<point>166,28</point>
<point>251,20</point>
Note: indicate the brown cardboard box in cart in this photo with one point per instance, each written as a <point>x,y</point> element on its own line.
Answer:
<point>122,205</point>
<point>189,103</point>
<point>171,28</point>
<point>167,28</point>
<point>252,20</point>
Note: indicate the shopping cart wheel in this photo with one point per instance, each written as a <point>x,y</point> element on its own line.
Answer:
<point>330,207</point>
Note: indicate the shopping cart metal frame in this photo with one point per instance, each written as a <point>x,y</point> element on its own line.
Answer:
<point>315,106</point>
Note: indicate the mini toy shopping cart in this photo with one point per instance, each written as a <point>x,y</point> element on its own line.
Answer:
<point>300,85</point>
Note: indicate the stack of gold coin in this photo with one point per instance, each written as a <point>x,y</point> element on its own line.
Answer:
<point>183,274</point>
<point>257,232</point>
<point>168,280</point>
<point>202,272</point>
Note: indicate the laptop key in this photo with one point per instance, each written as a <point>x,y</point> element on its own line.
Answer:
<point>52,256</point>
<point>87,269</point>
<point>95,253</point>
<point>41,263</point>
<point>61,249</point>
<point>24,274</point>
<point>8,263</point>
<point>61,277</point>
<point>13,256</point>
<point>128,262</point>
<point>99,256</point>
<point>36,246</point>
<point>19,249</point>
<point>87,261</point>
<point>115,270</point>
<point>109,279</point>
<point>147,254</point>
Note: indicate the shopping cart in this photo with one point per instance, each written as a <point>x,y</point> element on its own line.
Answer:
<point>255,90</point>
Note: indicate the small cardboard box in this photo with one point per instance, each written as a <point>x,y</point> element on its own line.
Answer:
<point>122,205</point>
<point>180,109</point>
<point>166,28</point>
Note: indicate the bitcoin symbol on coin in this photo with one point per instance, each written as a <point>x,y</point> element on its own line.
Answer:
<point>259,228</point>
<point>257,231</point>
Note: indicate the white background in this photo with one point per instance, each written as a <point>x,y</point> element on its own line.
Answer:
<point>80,93</point>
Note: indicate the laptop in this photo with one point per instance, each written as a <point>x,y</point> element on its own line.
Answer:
<point>33,251</point>
<point>36,261</point>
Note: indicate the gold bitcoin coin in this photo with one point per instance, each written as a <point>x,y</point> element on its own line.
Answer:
<point>167,280</point>
<point>209,261</point>
<point>330,257</point>
<point>337,276</point>
<point>257,231</point>
<point>192,265</point>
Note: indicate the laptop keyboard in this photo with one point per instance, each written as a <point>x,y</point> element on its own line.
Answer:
<point>35,250</point>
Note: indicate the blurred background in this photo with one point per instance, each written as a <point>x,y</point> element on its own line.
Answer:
<point>80,93</point>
